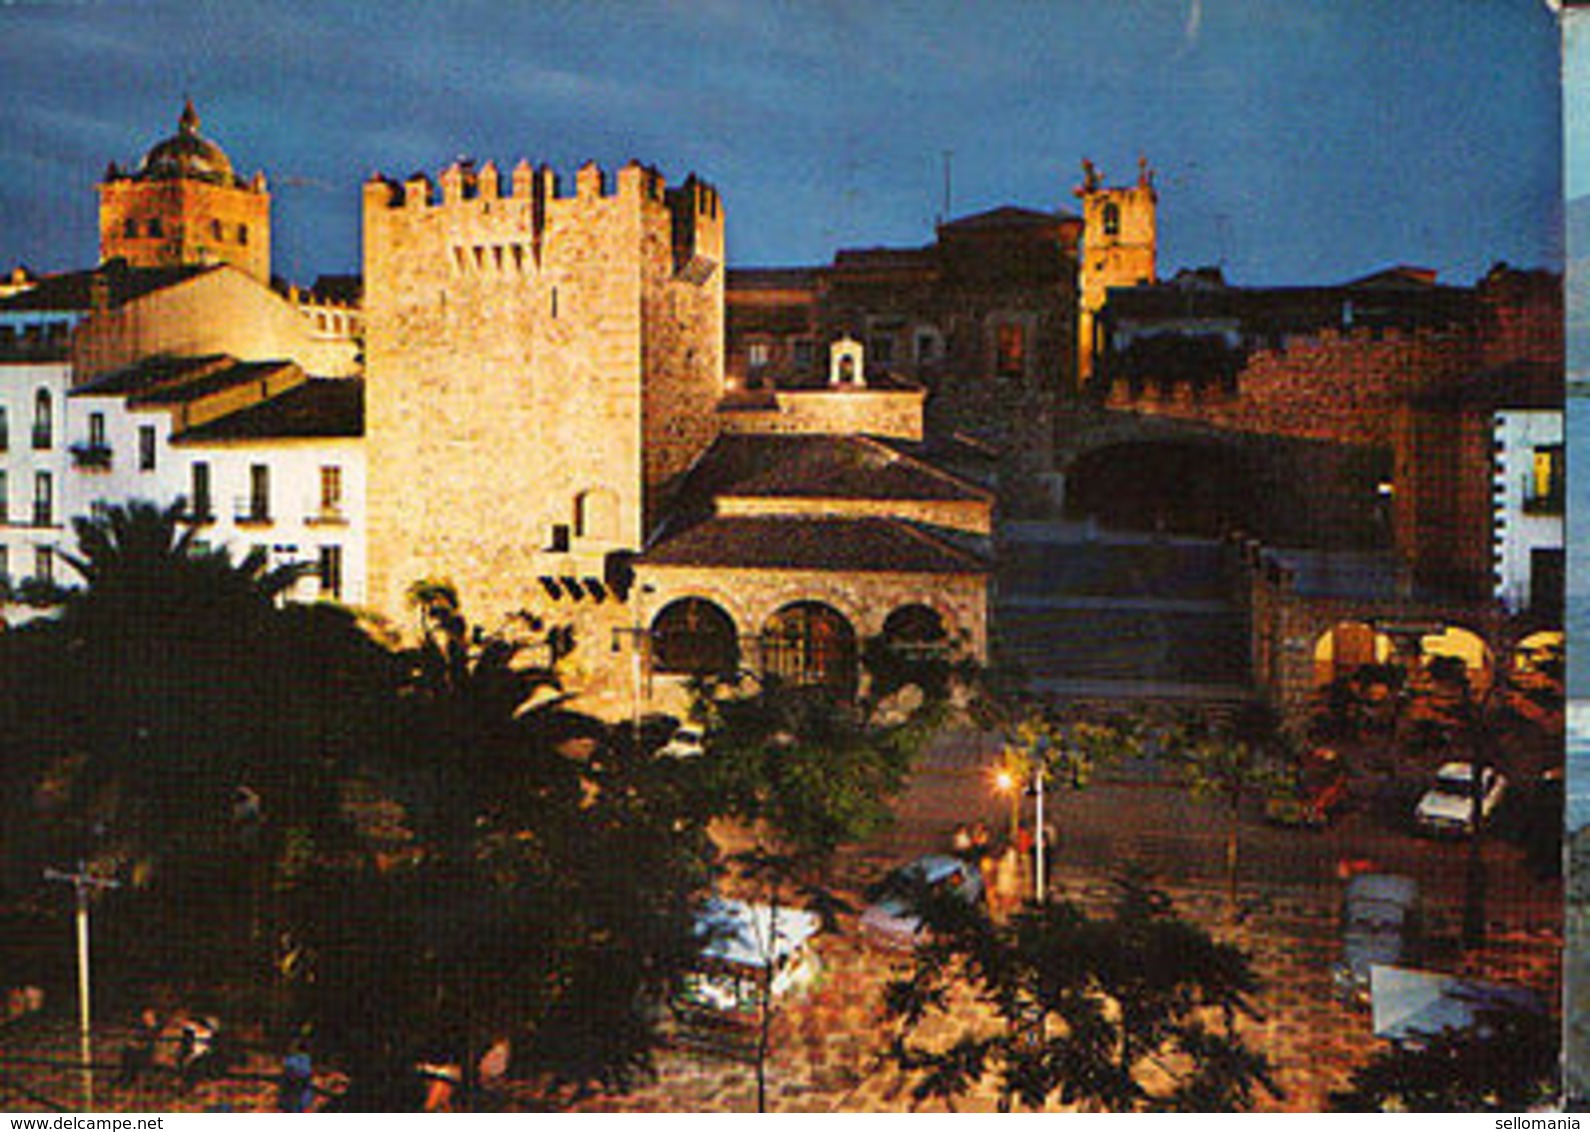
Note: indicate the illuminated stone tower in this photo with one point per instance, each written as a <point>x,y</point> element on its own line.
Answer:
<point>184,205</point>
<point>541,367</point>
<point>1118,247</point>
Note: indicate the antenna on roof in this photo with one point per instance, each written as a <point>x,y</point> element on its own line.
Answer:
<point>949,159</point>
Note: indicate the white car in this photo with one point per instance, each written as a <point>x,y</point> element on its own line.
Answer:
<point>1448,806</point>
<point>687,742</point>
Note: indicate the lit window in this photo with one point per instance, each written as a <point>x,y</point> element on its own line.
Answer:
<point>1546,480</point>
<point>1010,350</point>
<point>757,355</point>
<point>331,489</point>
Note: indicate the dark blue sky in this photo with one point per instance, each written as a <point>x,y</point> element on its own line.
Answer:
<point>1295,142</point>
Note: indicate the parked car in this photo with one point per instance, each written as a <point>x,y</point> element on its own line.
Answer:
<point>1448,807</point>
<point>1380,927</point>
<point>740,944</point>
<point>686,742</point>
<point>894,917</point>
<point>1318,794</point>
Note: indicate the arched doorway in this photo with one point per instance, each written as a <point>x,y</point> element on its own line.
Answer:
<point>1346,649</point>
<point>1175,486</point>
<point>694,637</point>
<point>1540,653</point>
<point>808,643</point>
<point>1456,649</point>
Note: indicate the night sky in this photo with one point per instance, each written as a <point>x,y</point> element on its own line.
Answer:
<point>1295,142</point>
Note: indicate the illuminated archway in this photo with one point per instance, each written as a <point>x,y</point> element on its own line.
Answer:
<point>1346,648</point>
<point>1455,643</point>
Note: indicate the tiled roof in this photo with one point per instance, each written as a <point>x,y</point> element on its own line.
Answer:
<point>73,290</point>
<point>153,373</point>
<point>320,407</point>
<point>819,467</point>
<point>204,384</point>
<point>783,543</point>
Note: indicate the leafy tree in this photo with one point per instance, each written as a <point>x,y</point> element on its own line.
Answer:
<point>806,763</point>
<point>1231,767</point>
<point>1131,1011</point>
<point>1507,1061</point>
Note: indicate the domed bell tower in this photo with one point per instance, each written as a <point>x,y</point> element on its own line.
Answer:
<point>1119,247</point>
<point>183,205</point>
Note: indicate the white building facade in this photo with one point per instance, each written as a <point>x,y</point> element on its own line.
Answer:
<point>1528,496</point>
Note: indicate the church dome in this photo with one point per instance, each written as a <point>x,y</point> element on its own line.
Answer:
<point>187,156</point>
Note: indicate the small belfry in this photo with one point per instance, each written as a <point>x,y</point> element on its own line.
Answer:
<point>1119,248</point>
<point>183,205</point>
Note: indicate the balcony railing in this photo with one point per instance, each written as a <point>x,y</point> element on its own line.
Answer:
<point>248,510</point>
<point>323,512</point>
<point>91,457</point>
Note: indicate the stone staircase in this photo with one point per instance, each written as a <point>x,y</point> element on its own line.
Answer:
<point>1085,614</point>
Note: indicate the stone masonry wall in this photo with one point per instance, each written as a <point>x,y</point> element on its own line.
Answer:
<point>510,338</point>
<point>1334,386</point>
<point>751,597</point>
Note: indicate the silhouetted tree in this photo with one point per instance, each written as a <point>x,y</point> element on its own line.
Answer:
<point>1506,1061</point>
<point>1131,1011</point>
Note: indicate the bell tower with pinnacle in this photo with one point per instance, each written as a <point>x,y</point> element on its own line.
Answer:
<point>1119,245</point>
<point>183,205</point>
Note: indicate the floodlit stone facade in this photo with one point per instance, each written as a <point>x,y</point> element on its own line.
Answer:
<point>183,204</point>
<point>542,366</point>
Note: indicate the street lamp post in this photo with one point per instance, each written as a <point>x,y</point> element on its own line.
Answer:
<point>84,883</point>
<point>1038,887</point>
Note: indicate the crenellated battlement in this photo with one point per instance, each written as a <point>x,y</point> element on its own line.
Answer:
<point>464,183</point>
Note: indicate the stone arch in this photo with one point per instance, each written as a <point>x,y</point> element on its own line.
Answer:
<point>1459,642</point>
<point>915,625</point>
<point>847,364</point>
<point>1343,649</point>
<point>811,643</point>
<point>1538,649</point>
<point>692,636</point>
